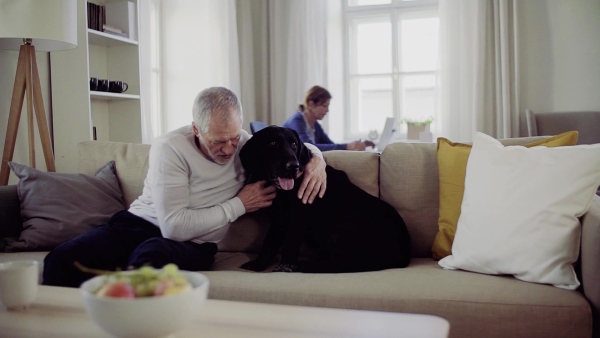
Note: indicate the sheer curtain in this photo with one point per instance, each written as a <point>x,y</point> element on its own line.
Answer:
<point>298,52</point>
<point>199,49</point>
<point>252,29</point>
<point>269,52</point>
<point>479,70</point>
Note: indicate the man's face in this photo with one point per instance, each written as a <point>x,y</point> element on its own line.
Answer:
<point>219,144</point>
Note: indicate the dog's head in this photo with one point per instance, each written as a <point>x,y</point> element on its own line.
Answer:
<point>275,154</point>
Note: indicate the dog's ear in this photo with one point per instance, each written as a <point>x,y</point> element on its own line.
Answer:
<point>302,152</point>
<point>249,158</point>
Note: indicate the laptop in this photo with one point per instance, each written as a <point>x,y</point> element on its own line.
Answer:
<point>386,136</point>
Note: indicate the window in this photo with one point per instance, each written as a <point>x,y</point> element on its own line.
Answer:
<point>391,68</point>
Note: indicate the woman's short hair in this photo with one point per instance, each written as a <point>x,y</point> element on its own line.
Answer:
<point>215,102</point>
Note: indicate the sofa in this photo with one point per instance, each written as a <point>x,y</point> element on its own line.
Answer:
<point>406,176</point>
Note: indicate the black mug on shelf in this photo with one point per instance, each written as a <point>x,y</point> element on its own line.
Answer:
<point>93,83</point>
<point>103,85</point>
<point>117,86</point>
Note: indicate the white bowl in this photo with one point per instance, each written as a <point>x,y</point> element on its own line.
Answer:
<point>156,316</point>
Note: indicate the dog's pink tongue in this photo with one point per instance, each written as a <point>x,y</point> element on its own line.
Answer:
<point>286,183</point>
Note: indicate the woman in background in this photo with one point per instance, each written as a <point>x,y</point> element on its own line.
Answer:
<point>304,122</point>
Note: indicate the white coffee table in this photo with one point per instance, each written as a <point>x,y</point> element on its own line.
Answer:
<point>59,312</point>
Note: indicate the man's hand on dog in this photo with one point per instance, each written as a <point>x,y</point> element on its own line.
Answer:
<point>256,196</point>
<point>315,180</point>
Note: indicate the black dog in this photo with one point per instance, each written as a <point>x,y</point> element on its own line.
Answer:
<point>349,229</point>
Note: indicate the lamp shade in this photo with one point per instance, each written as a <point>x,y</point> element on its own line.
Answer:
<point>50,24</point>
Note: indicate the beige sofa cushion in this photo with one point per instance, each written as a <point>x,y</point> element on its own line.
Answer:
<point>131,161</point>
<point>362,168</point>
<point>477,305</point>
<point>409,182</point>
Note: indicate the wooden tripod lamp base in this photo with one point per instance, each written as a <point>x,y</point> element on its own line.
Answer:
<point>27,83</point>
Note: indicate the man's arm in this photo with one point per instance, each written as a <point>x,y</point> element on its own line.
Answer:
<point>170,187</point>
<point>315,178</point>
<point>314,149</point>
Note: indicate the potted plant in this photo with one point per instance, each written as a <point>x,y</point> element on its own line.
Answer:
<point>416,126</point>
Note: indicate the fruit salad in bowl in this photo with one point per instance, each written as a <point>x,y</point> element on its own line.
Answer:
<point>144,302</point>
<point>143,282</point>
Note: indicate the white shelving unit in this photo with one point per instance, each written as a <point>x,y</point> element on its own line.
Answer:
<point>80,114</point>
<point>108,40</point>
<point>94,95</point>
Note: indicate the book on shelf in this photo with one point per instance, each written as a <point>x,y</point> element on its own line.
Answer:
<point>90,15</point>
<point>96,16</point>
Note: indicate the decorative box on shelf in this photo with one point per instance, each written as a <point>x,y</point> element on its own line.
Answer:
<point>121,16</point>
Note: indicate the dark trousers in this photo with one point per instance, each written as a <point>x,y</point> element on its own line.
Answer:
<point>125,241</point>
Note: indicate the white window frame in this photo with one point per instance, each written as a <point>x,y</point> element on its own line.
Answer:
<point>156,71</point>
<point>395,9</point>
<point>151,69</point>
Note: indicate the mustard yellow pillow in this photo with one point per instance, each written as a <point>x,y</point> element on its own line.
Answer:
<point>452,163</point>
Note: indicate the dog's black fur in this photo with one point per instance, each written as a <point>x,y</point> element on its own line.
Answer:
<point>349,229</point>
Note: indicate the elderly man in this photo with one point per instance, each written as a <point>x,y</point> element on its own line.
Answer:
<point>193,190</point>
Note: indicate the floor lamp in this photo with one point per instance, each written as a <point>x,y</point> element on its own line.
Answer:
<point>27,26</point>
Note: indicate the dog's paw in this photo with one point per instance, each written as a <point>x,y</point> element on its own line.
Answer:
<point>254,265</point>
<point>286,268</point>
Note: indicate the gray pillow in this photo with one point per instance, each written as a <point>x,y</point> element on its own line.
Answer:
<point>57,207</point>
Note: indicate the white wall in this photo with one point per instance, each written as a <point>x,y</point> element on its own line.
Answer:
<point>8,67</point>
<point>559,57</point>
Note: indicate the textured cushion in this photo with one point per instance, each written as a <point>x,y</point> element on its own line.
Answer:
<point>131,163</point>
<point>520,210</point>
<point>409,183</point>
<point>452,163</point>
<point>57,207</point>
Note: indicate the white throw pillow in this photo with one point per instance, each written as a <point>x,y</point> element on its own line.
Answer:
<point>519,215</point>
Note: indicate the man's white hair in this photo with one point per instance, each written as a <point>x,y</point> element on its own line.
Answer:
<point>215,102</point>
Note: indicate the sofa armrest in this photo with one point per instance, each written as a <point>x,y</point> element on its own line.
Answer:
<point>590,260</point>
<point>10,212</point>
